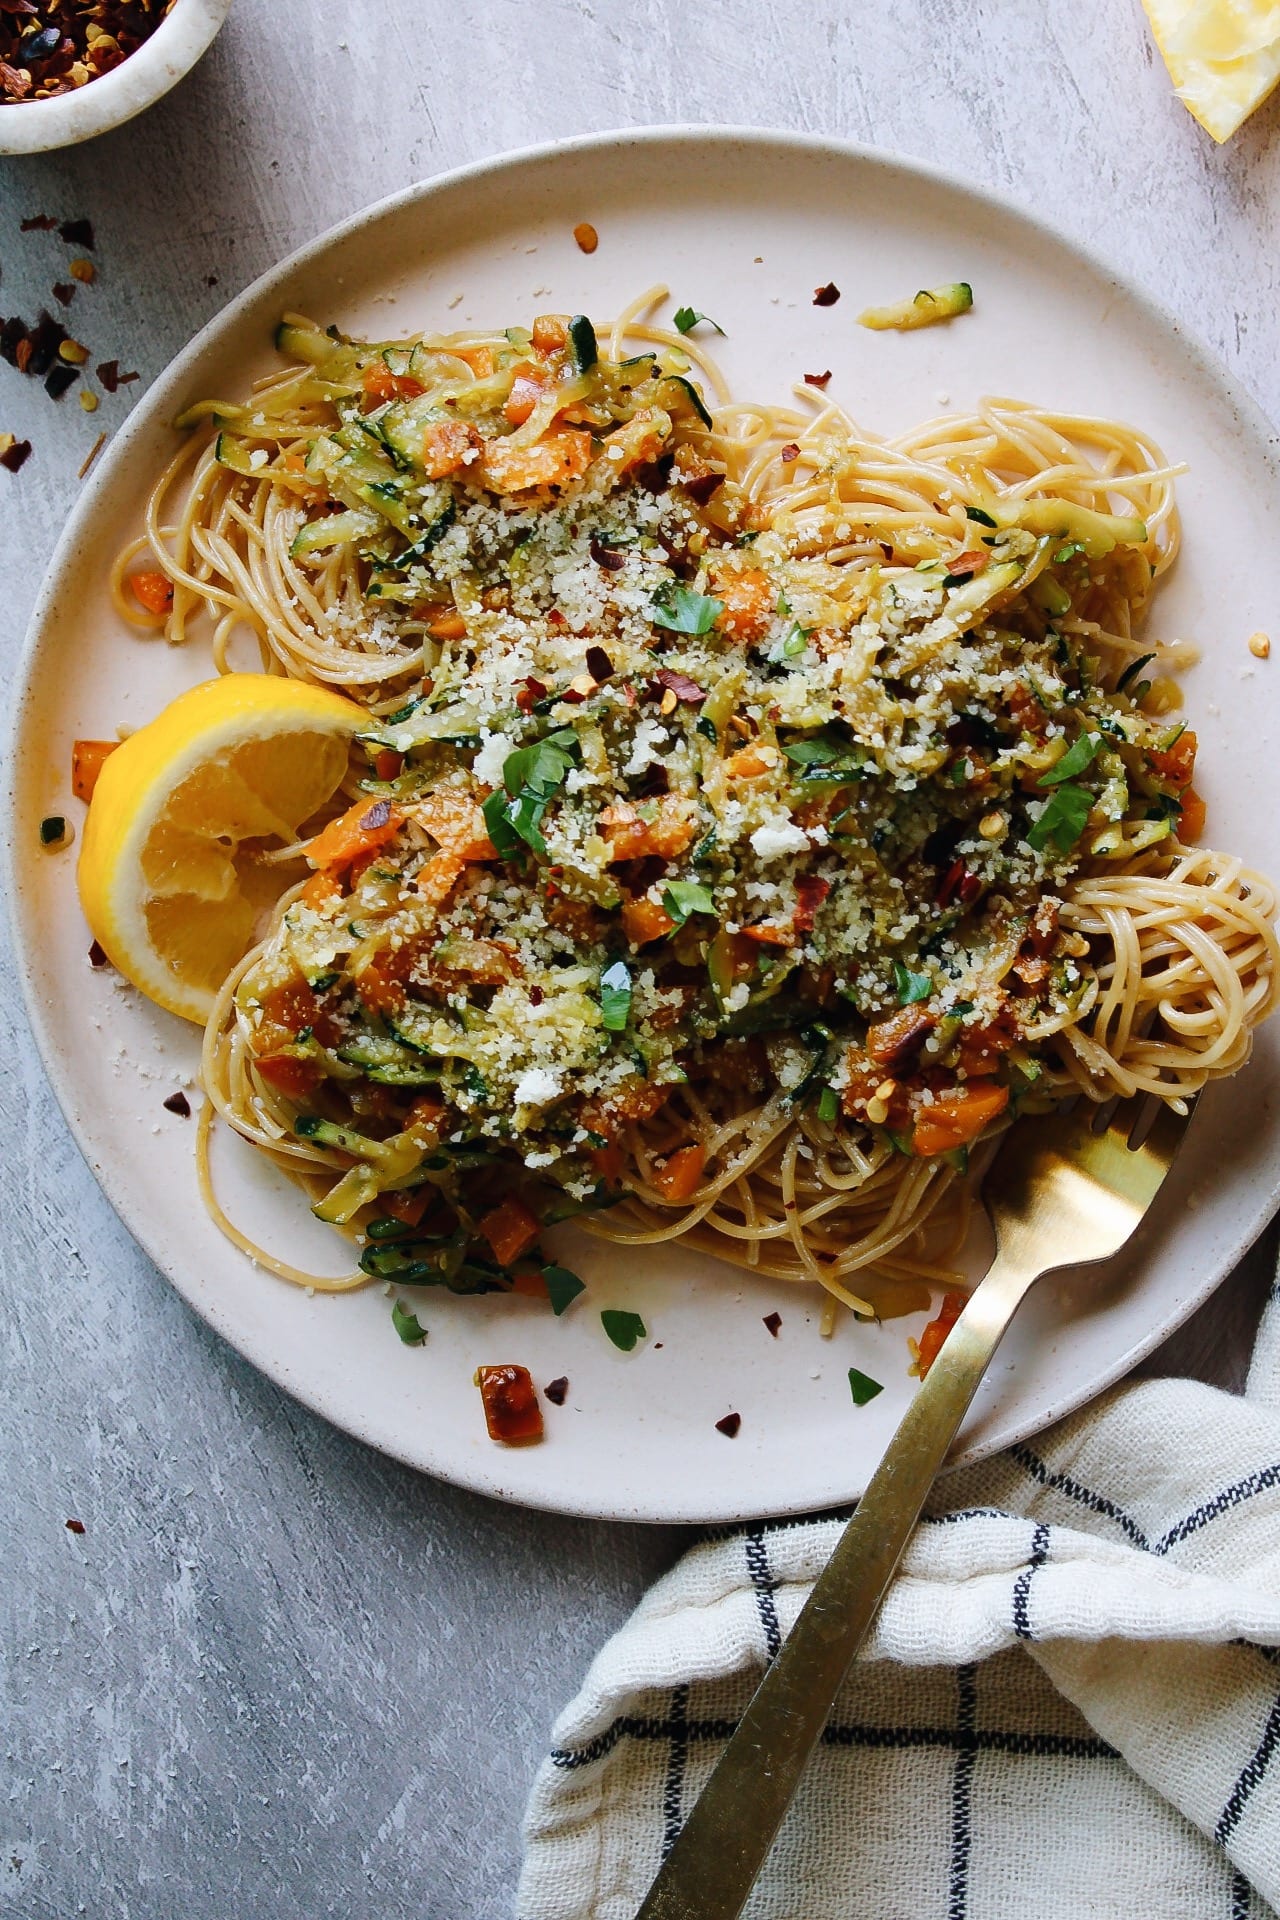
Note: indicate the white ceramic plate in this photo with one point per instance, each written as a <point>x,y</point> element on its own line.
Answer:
<point>744,226</point>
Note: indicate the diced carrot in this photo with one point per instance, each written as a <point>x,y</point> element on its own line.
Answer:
<point>511,1411</point>
<point>748,597</point>
<point>446,445</point>
<point>748,763</point>
<point>443,622</point>
<point>408,1206</point>
<point>956,1118</point>
<point>527,388</point>
<point>286,1009</point>
<point>453,819</point>
<point>88,758</point>
<point>769,933</point>
<point>529,1281</point>
<point>426,1117</point>
<point>363,828</point>
<point>550,332</point>
<point>645,920</point>
<point>510,1228</point>
<point>678,1180</point>
<point>381,385</point>
<point>934,1335</point>
<point>633,1099</point>
<point>1177,763</point>
<point>154,591</point>
<point>292,1077</point>
<point>479,359</point>
<point>636,441</point>
<point>607,1162</point>
<point>811,891</point>
<point>1191,819</point>
<point>562,455</point>
<point>320,889</point>
<point>387,763</point>
<point>632,838</point>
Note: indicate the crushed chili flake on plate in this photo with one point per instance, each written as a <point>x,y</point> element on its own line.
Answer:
<point>556,1391</point>
<point>178,1103</point>
<point>63,46</point>
<point>817,379</point>
<point>16,454</point>
<point>729,1425</point>
<point>826,296</point>
<point>773,1321</point>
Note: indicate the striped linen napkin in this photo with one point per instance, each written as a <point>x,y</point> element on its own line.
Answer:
<point>1070,1705</point>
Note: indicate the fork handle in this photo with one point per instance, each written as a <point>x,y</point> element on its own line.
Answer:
<point>711,1869</point>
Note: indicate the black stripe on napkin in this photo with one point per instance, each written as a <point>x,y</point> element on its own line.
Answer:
<point>763,1583</point>
<point>1096,1502</point>
<point>1250,1777</point>
<point>677,1761</point>
<point>962,1790</point>
<point>1022,1586</point>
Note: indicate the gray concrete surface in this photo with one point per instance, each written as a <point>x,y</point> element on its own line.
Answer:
<point>278,1674</point>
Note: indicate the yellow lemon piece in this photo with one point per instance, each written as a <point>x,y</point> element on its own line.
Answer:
<point>1223,56</point>
<point>170,888</point>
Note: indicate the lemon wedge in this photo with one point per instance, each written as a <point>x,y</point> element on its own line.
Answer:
<point>1223,56</point>
<point>170,889</point>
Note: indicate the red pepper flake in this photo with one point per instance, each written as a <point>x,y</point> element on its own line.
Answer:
<point>530,693</point>
<point>790,452</point>
<point>702,486</point>
<point>178,1103</point>
<point>959,884</point>
<point>511,1410</point>
<point>16,456</point>
<point>59,378</point>
<point>98,957</point>
<point>826,296</point>
<point>535,996</point>
<point>39,222</point>
<point>811,891</point>
<point>612,559</point>
<point>773,1321</point>
<point>377,816</point>
<point>64,292</point>
<point>556,1390</point>
<point>388,763</point>
<point>729,1425</point>
<point>77,233</point>
<point>599,665</point>
<point>817,379</point>
<point>680,684</point>
<point>75,1526</point>
<point>111,377</point>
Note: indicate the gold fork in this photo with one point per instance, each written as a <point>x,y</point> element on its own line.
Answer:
<point>1065,1190</point>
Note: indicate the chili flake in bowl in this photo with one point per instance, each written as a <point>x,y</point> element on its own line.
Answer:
<point>80,67</point>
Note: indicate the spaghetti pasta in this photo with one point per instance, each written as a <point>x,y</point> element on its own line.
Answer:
<point>754,814</point>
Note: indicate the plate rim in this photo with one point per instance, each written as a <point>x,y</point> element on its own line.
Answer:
<point>488,1479</point>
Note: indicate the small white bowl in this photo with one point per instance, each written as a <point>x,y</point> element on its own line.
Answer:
<point>34,126</point>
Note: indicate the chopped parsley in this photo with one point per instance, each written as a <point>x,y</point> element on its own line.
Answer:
<point>407,1324</point>
<point>562,1287</point>
<point>1063,819</point>
<point>686,320</point>
<point>1077,757</point>
<point>910,987</point>
<point>615,997</point>
<point>681,610</point>
<point>863,1387</point>
<point>624,1329</point>
<point>683,897</point>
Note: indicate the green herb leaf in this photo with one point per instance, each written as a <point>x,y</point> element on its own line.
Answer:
<point>822,757</point>
<point>1076,758</point>
<point>563,1288</point>
<point>704,849</point>
<point>497,826</point>
<point>863,1387</point>
<point>829,1105</point>
<point>983,519</point>
<point>1062,820</point>
<point>624,1329</point>
<point>683,897</point>
<point>615,997</point>
<point>1068,552</point>
<point>911,987</point>
<point>407,1325</point>
<point>795,641</point>
<point>687,320</point>
<point>680,610</point>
